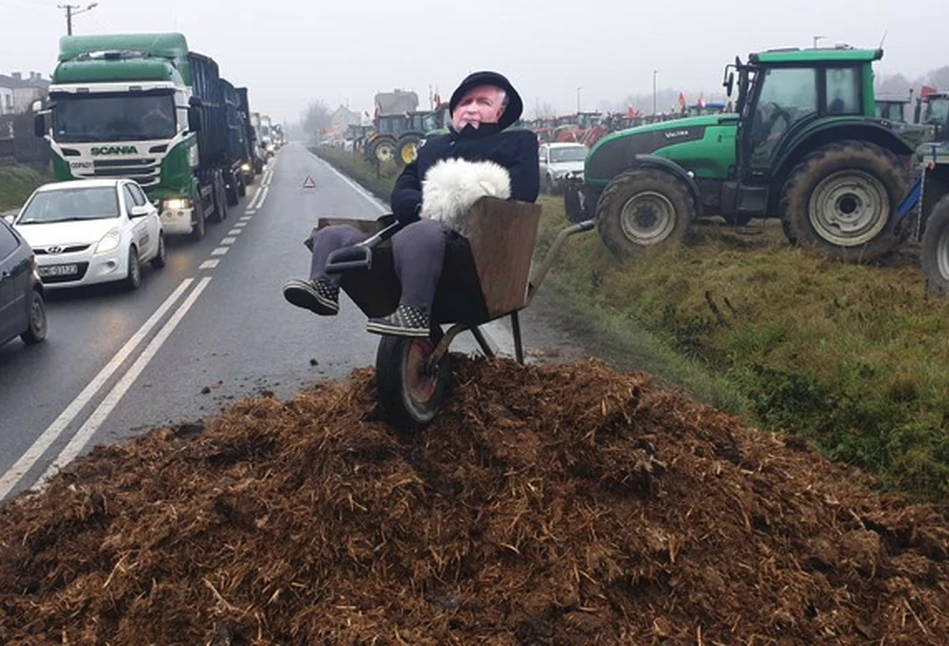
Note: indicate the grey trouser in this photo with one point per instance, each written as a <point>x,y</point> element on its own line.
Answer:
<point>418,252</point>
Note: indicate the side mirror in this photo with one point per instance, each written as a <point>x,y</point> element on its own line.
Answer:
<point>194,119</point>
<point>195,102</point>
<point>730,83</point>
<point>39,125</point>
<point>139,211</point>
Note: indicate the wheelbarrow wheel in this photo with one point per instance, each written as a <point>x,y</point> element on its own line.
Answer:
<point>410,393</point>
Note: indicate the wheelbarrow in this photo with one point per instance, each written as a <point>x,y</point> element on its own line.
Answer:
<point>486,276</point>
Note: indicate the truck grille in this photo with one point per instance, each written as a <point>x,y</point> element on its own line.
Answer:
<point>145,171</point>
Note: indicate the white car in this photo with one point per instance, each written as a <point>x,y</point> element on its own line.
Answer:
<point>92,231</point>
<point>560,162</point>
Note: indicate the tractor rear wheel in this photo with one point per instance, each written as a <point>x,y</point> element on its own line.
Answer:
<point>407,149</point>
<point>841,200</point>
<point>383,150</point>
<point>934,254</point>
<point>642,211</point>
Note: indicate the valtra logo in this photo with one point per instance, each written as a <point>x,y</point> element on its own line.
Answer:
<point>113,150</point>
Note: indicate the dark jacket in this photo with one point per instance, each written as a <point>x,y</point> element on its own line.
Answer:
<point>515,150</point>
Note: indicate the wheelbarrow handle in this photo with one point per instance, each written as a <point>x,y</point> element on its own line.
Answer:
<point>579,227</point>
<point>358,257</point>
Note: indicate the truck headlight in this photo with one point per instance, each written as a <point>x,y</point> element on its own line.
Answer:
<point>177,204</point>
<point>109,242</point>
<point>245,168</point>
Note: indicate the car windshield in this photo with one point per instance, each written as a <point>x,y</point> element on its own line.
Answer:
<point>84,118</point>
<point>71,204</point>
<point>568,154</point>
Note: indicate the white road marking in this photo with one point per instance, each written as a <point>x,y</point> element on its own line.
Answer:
<point>52,433</point>
<point>234,232</point>
<point>356,187</point>
<point>240,225</point>
<point>247,215</point>
<point>244,219</point>
<point>263,196</point>
<point>82,437</point>
<point>229,240</point>
<point>209,264</point>
<point>219,251</point>
<point>253,201</point>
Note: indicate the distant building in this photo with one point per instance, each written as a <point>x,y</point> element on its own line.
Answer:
<point>396,102</point>
<point>343,117</point>
<point>17,93</point>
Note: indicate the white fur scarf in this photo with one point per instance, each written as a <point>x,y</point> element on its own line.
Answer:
<point>452,186</point>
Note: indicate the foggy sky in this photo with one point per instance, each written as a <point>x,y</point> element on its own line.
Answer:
<point>289,52</point>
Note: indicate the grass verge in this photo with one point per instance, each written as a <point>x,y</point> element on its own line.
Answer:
<point>17,182</point>
<point>852,357</point>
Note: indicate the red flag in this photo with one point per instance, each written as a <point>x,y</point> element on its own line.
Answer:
<point>701,102</point>
<point>438,100</point>
<point>682,99</point>
<point>926,90</point>
<point>630,113</point>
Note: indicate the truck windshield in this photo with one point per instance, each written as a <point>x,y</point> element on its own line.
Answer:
<point>109,117</point>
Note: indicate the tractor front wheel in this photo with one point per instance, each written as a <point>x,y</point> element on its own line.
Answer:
<point>934,253</point>
<point>642,211</point>
<point>841,200</point>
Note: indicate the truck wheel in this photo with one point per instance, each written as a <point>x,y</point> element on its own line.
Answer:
<point>407,149</point>
<point>934,254</point>
<point>409,395</point>
<point>198,229</point>
<point>643,210</point>
<point>233,192</point>
<point>220,199</point>
<point>841,200</point>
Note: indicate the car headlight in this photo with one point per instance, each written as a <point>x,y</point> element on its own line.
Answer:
<point>245,168</point>
<point>109,242</point>
<point>177,204</point>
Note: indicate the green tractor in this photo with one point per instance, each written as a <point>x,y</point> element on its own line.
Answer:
<point>382,143</point>
<point>803,145</point>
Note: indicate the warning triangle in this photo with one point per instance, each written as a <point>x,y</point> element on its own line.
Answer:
<point>309,183</point>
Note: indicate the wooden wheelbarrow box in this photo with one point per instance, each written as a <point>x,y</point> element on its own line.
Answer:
<point>486,272</point>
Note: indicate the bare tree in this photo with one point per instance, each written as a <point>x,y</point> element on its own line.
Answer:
<point>316,117</point>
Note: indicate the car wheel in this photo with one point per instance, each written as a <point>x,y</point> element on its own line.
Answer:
<point>133,277</point>
<point>37,330</point>
<point>160,258</point>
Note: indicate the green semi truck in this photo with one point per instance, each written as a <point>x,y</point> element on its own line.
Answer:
<point>144,106</point>
<point>804,145</point>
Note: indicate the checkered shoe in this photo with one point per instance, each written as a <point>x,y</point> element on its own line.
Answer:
<point>404,321</point>
<point>318,296</point>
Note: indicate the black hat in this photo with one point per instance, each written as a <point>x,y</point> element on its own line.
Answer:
<point>514,104</point>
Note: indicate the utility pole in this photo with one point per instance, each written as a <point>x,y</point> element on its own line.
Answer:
<point>74,10</point>
<point>655,90</point>
<point>817,39</point>
<point>578,100</point>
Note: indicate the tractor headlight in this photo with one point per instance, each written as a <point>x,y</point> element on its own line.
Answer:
<point>109,242</point>
<point>245,167</point>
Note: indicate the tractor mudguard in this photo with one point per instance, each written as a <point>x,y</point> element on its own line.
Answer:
<point>811,139</point>
<point>661,163</point>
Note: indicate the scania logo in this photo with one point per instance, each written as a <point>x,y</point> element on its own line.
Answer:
<point>114,150</point>
<point>54,250</point>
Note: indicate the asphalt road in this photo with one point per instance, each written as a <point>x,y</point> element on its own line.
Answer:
<point>210,327</point>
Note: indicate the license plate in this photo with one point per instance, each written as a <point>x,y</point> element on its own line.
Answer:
<point>58,270</point>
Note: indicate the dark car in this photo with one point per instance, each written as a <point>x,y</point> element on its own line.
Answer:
<point>22,304</point>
